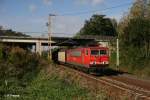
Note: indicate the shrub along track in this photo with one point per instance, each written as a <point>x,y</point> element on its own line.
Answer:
<point>117,86</point>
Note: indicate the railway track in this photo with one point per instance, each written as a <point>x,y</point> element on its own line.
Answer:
<point>135,90</point>
<point>117,85</point>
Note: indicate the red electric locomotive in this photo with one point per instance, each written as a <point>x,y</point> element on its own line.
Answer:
<point>91,58</point>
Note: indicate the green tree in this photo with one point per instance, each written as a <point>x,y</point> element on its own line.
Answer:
<point>134,34</point>
<point>134,27</point>
<point>137,10</point>
<point>10,32</point>
<point>137,34</point>
<point>122,24</point>
<point>140,8</point>
<point>99,25</point>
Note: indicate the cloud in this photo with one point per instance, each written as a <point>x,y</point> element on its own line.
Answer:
<point>92,2</point>
<point>67,24</point>
<point>47,2</point>
<point>95,2</point>
<point>32,8</point>
<point>116,16</point>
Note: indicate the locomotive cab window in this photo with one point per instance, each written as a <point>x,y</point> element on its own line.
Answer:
<point>103,52</point>
<point>94,52</point>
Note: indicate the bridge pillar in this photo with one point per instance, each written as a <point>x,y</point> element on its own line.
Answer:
<point>38,48</point>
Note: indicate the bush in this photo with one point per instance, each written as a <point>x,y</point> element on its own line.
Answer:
<point>135,46</point>
<point>18,68</point>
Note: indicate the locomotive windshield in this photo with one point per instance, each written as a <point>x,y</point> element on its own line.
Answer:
<point>94,52</point>
<point>98,52</point>
<point>103,52</point>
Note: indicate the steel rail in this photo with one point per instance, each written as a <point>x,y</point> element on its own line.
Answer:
<point>124,86</point>
<point>130,86</point>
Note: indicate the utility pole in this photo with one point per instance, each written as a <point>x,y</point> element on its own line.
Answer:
<point>117,56</point>
<point>49,24</point>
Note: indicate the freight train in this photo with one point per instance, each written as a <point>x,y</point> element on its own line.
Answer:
<point>87,58</point>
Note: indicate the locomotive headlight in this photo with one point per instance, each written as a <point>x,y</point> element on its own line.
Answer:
<point>107,62</point>
<point>104,62</point>
<point>91,62</point>
<point>101,62</point>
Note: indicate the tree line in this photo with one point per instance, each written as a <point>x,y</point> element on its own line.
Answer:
<point>133,31</point>
<point>10,32</point>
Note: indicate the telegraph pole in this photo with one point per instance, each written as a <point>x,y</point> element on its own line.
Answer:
<point>49,24</point>
<point>117,57</point>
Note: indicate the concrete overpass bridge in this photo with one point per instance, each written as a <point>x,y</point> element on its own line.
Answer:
<point>55,41</point>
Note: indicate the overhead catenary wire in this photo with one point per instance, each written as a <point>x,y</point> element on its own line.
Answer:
<point>81,13</point>
<point>85,12</point>
<point>93,11</point>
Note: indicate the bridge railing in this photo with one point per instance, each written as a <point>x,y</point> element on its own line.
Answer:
<point>96,37</point>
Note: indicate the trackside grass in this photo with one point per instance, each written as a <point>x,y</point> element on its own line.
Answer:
<point>27,76</point>
<point>51,86</point>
